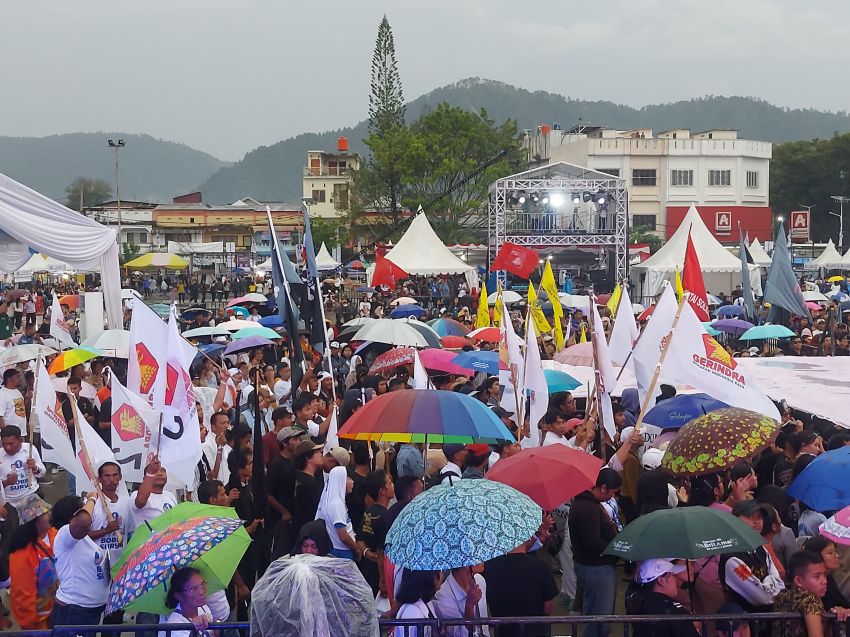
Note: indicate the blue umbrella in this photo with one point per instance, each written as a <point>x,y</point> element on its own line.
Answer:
<point>470,522</point>
<point>766,331</point>
<point>210,349</point>
<point>730,310</point>
<point>409,309</point>
<point>711,331</point>
<point>675,412</point>
<point>478,361</point>
<point>823,484</point>
<point>840,297</point>
<point>273,320</point>
<point>363,290</point>
<point>559,381</point>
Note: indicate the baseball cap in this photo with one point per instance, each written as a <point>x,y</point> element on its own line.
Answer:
<point>288,432</point>
<point>651,570</point>
<point>342,457</point>
<point>572,423</point>
<point>334,344</point>
<point>478,449</point>
<point>233,371</point>
<point>451,449</point>
<point>306,448</point>
<point>652,458</point>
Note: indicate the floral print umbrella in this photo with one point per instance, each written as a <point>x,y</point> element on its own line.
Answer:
<point>718,440</point>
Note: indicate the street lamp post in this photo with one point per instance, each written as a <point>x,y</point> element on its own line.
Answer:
<point>117,146</point>
<point>840,216</point>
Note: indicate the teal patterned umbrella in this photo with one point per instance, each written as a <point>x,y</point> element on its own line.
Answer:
<point>461,525</point>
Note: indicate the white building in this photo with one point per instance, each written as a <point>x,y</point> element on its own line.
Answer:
<point>327,179</point>
<point>725,177</point>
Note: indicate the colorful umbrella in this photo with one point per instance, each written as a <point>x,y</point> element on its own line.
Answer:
<point>71,357</point>
<point>579,355</point>
<point>559,381</point>
<point>823,484</point>
<point>23,353</point>
<point>71,300</point>
<point>252,297</point>
<point>392,333</point>
<point>837,528</point>
<point>684,533</point>
<point>470,522</point>
<point>718,440</point>
<point>415,415</point>
<point>450,327</point>
<point>440,360</point>
<point>488,334</point>
<point>729,310</point>
<point>158,260</point>
<point>479,361</point>
<point>357,264</point>
<point>411,309</point>
<point>206,331</point>
<point>391,359</point>
<point>259,330</point>
<point>548,475</point>
<point>209,538</point>
<point>675,412</point>
<point>765,331</point>
<point>732,326</point>
<point>247,343</point>
<point>18,293</point>
<point>455,342</point>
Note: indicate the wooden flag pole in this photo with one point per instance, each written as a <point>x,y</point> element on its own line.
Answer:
<point>645,406</point>
<point>31,419</point>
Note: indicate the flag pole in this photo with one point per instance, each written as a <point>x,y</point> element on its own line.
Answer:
<point>598,389</point>
<point>33,403</point>
<point>523,400</point>
<point>645,406</point>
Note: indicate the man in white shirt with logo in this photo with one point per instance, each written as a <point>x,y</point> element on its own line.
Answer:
<point>17,470</point>
<point>151,499</point>
<point>111,533</point>
<point>12,411</point>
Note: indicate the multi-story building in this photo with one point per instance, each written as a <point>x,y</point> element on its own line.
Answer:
<point>327,179</point>
<point>725,177</point>
<point>135,219</point>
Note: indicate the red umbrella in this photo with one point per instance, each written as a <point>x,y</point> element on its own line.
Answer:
<point>454,342</point>
<point>391,359</point>
<point>643,316</point>
<point>440,360</point>
<point>602,299</point>
<point>548,475</point>
<point>489,334</point>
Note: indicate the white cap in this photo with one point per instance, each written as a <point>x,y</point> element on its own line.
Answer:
<point>652,458</point>
<point>233,371</point>
<point>335,344</point>
<point>651,570</point>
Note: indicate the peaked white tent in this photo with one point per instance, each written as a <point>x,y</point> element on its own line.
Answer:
<point>43,263</point>
<point>829,259</point>
<point>31,221</point>
<point>324,260</point>
<point>421,252</point>
<point>758,254</point>
<point>721,270</point>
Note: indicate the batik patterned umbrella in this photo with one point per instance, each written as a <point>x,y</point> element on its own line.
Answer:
<point>392,359</point>
<point>467,523</point>
<point>718,440</point>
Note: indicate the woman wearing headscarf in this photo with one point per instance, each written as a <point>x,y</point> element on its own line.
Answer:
<point>631,405</point>
<point>333,511</point>
<point>32,566</point>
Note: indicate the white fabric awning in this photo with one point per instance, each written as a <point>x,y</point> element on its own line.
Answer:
<point>758,254</point>
<point>324,260</point>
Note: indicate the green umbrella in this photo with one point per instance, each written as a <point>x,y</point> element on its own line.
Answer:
<point>217,564</point>
<point>684,533</point>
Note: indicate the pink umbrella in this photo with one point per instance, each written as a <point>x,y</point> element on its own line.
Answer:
<point>440,360</point>
<point>813,306</point>
<point>837,528</point>
<point>580,355</point>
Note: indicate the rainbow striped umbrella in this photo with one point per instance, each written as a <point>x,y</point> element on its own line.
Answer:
<point>448,327</point>
<point>71,357</point>
<point>420,415</point>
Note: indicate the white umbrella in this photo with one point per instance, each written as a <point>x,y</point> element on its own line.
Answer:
<point>111,342</point>
<point>60,384</point>
<point>207,331</point>
<point>235,325</point>
<point>402,300</point>
<point>391,332</point>
<point>814,295</point>
<point>576,301</point>
<point>23,353</point>
<point>360,321</point>
<point>508,296</point>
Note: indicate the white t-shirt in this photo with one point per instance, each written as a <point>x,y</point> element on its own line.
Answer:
<point>123,509</point>
<point>219,606</point>
<point>12,408</point>
<point>17,463</point>
<point>338,514</point>
<point>83,569</point>
<point>176,617</point>
<point>283,388</point>
<point>554,439</point>
<point>210,448</point>
<point>416,610</point>
<point>157,503</point>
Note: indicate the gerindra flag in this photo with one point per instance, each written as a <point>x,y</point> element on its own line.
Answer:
<point>58,327</point>
<point>695,358</point>
<point>693,284</point>
<point>133,420</point>
<point>516,260</point>
<point>148,335</point>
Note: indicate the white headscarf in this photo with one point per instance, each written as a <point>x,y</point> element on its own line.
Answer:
<point>332,503</point>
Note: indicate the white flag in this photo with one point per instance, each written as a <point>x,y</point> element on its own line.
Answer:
<point>697,359</point>
<point>648,348</point>
<point>535,379</point>
<point>133,420</point>
<point>603,355</point>
<point>332,438</point>
<point>93,452</point>
<point>148,336</point>
<point>58,327</point>
<point>625,332</point>
<point>510,356</point>
<point>420,374</point>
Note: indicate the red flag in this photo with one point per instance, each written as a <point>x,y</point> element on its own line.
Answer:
<point>516,259</point>
<point>693,284</point>
<point>387,272</point>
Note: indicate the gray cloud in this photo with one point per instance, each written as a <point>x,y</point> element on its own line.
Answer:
<point>228,75</point>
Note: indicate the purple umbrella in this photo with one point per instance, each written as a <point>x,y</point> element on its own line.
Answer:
<point>247,343</point>
<point>735,327</point>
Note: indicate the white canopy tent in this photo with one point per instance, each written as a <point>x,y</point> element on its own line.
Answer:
<point>420,252</point>
<point>758,254</point>
<point>43,263</point>
<point>721,270</point>
<point>829,259</point>
<point>324,260</point>
<point>31,221</point>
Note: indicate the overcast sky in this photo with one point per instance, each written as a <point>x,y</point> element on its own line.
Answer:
<point>225,76</point>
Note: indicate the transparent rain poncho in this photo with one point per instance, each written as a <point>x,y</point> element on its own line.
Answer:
<point>310,596</point>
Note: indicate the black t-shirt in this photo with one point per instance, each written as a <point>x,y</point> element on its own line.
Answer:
<point>654,603</point>
<point>783,469</point>
<point>306,497</point>
<point>388,519</point>
<point>518,585</point>
<point>104,415</point>
<point>356,500</point>
<point>86,408</point>
<point>373,533</point>
<point>280,482</point>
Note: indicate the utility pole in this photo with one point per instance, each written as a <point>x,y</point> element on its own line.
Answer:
<point>840,199</point>
<point>118,146</point>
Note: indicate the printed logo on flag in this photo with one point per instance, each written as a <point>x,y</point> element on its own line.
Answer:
<point>718,361</point>
<point>128,423</point>
<point>148,368</point>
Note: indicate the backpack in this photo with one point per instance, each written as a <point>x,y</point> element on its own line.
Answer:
<point>437,478</point>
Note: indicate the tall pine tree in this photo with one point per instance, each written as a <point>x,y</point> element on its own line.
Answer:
<point>386,101</point>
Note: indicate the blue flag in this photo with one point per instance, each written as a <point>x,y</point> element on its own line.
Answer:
<point>314,317</point>
<point>287,308</point>
<point>782,289</point>
<point>749,302</point>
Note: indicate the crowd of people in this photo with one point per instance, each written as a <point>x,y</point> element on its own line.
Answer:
<point>341,498</point>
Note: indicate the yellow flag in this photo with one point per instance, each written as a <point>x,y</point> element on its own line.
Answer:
<point>583,337</point>
<point>680,291</point>
<point>540,321</point>
<point>483,318</point>
<point>614,301</point>
<point>497,309</point>
<point>547,283</point>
